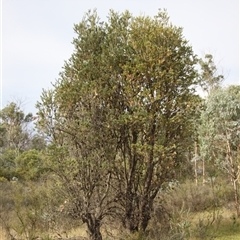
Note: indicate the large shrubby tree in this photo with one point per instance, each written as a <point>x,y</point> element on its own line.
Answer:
<point>118,117</point>
<point>220,131</point>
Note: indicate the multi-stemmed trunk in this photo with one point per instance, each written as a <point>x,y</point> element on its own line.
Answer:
<point>136,217</point>
<point>93,227</point>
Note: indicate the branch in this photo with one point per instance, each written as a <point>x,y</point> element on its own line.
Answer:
<point>107,188</point>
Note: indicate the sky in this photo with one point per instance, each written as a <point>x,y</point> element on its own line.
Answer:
<point>36,37</point>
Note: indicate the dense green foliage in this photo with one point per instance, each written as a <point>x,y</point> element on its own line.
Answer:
<point>18,159</point>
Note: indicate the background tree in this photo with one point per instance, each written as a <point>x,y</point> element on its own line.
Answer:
<point>209,77</point>
<point>20,166</point>
<point>210,80</point>
<point>119,116</point>
<point>14,136</point>
<point>219,135</point>
<point>29,165</point>
<point>14,127</point>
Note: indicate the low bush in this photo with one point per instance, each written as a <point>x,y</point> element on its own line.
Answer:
<point>196,198</point>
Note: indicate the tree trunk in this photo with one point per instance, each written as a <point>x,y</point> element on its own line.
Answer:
<point>203,171</point>
<point>195,162</point>
<point>234,178</point>
<point>138,214</point>
<point>144,215</point>
<point>130,220</point>
<point>130,224</point>
<point>236,197</point>
<point>93,226</point>
<point>137,221</point>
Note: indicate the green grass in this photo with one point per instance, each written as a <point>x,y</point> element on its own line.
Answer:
<point>229,230</point>
<point>225,226</point>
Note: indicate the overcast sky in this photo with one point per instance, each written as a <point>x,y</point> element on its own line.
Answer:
<point>37,36</point>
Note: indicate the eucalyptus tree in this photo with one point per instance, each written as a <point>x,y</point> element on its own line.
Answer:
<point>209,80</point>
<point>13,125</point>
<point>14,137</point>
<point>118,117</point>
<point>220,131</point>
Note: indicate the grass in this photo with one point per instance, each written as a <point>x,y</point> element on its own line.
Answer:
<point>197,213</point>
<point>228,228</point>
<point>2,234</point>
<point>229,231</point>
<point>225,226</point>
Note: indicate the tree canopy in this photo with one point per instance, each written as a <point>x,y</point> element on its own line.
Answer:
<point>119,116</point>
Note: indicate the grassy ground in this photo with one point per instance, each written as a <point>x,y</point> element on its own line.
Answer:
<point>221,226</point>
<point>205,225</point>
<point>226,229</point>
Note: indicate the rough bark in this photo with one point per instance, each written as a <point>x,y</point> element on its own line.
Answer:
<point>93,225</point>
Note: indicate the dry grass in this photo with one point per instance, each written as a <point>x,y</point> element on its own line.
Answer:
<point>2,234</point>
<point>196,213</point>
<point>204,225</point>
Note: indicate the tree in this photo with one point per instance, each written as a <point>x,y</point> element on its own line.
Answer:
<point>209,77</point>
<point>209,80</point>
<point>15,137</point>
<point>219,133</point>
<point>29,165</point>
<point>14,127</point>
<point>119,115</point>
